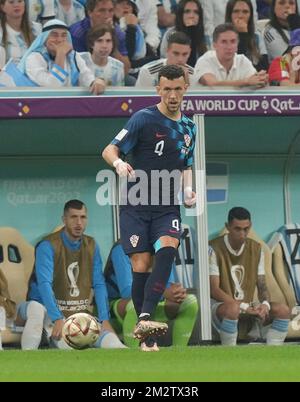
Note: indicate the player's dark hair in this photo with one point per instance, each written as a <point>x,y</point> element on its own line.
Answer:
<point>74,204</point>
<point>239,213</point>
<point>179,38</point>
<point>227,27</point>
<point>171,72</point>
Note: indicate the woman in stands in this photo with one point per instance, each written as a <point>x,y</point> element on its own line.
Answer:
<point>189,19</point>
<point>277,32</point>
<point>214,14</point>
<point>16,32</point>
<point>251,43</point>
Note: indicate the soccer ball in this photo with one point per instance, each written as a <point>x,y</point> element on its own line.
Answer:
<point>81,330</point>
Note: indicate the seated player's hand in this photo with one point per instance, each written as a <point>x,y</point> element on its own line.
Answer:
<point>176,293</point>
<point>57,329</point>
<point>262,312</point>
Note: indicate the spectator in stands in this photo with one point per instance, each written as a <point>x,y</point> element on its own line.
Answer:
<point>125,17</point>
<point>263,8</point>
<point>51,61</point>
<point>68,267</point>
<point>277,31</point>
<point>101,43</point>
<point>69,11</point>
<point>285,70</point>
<point>214,14</point>
<point>166,12</point>
<point>147,15</point>
<point>240,14</point>
<point>40,10</point>
<point>236,269</point>
<point>177,304</point>
<point>99,12</point>
<point>224,67</point>
<point>189,19</point>
<point>16,32</point>
<point>179,50</point>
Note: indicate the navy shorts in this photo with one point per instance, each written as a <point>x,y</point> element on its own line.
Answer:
<point>141,229</point>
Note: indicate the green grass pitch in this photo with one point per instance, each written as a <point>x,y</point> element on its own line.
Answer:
<point>245,363</point>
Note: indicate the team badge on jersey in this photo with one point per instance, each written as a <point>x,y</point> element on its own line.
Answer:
<point>187,140</point>
<point>134,239</point>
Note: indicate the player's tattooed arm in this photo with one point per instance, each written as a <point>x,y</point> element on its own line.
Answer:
<point>263,293</point>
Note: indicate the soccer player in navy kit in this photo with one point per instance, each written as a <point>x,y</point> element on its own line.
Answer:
<point>160,140</point>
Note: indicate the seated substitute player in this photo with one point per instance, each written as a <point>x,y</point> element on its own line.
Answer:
<point>161,140</point>
<point>176,303</point>
<point>236,269</point>
<point>68,271</point>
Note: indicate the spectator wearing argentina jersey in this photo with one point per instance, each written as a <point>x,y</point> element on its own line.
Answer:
<point>16,31</point>
<point>69,11</point>
<point>166,14</point>
<point>101,43</point>
<point>51,61</point>
<point>277,32</point>
<point>178,52</point>
<point>40,10</point>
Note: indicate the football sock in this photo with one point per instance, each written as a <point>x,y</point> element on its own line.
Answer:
<point>278,332</point>
<point>185,320</point>
<point>2,323</point>
<point>229,332</point>
<point>32,333</point>
<point>139,280</point>
<point>2,318</point>
<point>109,340</point>
<point>158,279</point>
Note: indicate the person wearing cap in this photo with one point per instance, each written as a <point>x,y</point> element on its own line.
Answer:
<point>285,70</point>
<point>51,61</point>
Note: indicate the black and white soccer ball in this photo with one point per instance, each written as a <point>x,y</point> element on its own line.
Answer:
<point>81,330</point>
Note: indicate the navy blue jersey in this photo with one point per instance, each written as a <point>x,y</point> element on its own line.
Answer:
<point>157,143</point>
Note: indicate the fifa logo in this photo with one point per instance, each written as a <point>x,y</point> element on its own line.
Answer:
<point>73,273</point>
<point>237,275</point>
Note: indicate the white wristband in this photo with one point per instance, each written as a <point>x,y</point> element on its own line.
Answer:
<point>188,191</point>
<point>244,307</point>
<point>116,162</point>
<point>266,303</point>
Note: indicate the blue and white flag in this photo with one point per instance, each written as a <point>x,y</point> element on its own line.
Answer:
<point>217,182</point>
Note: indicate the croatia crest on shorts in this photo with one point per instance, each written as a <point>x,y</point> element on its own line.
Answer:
<point>134,239</point>
<point>187,140</point>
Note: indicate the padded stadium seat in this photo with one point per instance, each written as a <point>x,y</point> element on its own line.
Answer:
<point>16,263</point>
<point>281,274</point>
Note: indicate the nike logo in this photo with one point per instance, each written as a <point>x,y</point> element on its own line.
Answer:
<point>157,135</point>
